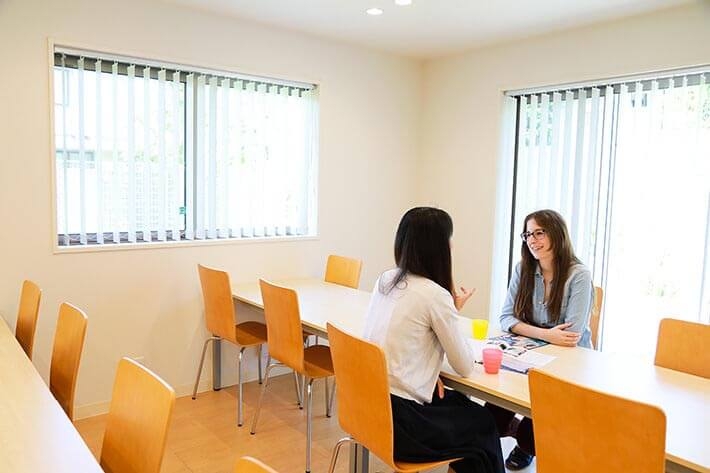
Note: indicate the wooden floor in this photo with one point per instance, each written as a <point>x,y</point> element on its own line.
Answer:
<point>204,436</point>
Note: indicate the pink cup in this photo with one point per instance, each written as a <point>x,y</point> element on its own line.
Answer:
<point>491,360</point>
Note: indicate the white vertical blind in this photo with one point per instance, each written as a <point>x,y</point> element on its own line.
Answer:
<point>558,159</point>
<point>82,152</point>
<point>616,160</point>
<point>664,139</point>
<point>211,180</point>
<point>257,157</point>
<point>150,154</point>
<point>174,202</point>
<point>224,149</point>
<point>145,207</point>
<point>131,131</point>
<point>163,211</point>
<point>63,192</point>
<point>190,155</point>
<point>115,209</point>
<point>115,141</point>
<point>99,189</point>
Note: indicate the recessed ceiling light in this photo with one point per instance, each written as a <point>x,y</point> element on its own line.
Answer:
<point>403,2</point>
<point>374,11</point>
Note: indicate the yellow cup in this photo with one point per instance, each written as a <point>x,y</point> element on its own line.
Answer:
<point>479,328</point>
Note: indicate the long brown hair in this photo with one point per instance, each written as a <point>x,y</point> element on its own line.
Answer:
<point>564,258</point>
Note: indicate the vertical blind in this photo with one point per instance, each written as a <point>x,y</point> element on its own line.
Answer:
<point>599,154</point>
<point>561,136</point>
<point>568,141</point>
<point>147,153</point>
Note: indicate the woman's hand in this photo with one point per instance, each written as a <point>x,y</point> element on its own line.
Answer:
<point>460,298</point>
<point>440,388</point>
<point>557,335</point>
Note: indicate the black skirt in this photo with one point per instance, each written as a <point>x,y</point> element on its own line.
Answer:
<point>452,427</point>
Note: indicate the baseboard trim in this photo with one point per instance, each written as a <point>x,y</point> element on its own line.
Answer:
<point>100,408</point>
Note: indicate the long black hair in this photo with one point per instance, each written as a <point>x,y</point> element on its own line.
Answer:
<point>422,246</point>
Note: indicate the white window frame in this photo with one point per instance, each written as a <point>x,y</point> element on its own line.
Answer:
<point>54,45</point>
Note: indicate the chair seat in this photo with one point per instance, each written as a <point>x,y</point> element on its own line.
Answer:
<point>317,361</point>
<point>406,467</point>
<point>251,333</point>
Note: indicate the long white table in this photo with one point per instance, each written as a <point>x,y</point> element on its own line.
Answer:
<point>685,399</point>
<point>35,434</point>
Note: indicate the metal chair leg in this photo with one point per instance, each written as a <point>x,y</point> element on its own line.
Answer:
<point>240,418</point>
<point>336,451</point>
<point>202,361</point>
<point>299,393</point>
<point>259,351</point>
<point>303,390</point>
<point>261,397</point>
<point>329,398</point>
<point>309,422</point>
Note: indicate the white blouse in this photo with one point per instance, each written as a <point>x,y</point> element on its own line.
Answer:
<point>415,324</point>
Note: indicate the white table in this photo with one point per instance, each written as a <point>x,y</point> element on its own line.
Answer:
<point>684,398</point>
<point>35,434</point>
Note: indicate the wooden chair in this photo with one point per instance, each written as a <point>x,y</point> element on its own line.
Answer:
<point>580,430</point>
<point>220,319</point>
<point>66,355</point>
<point>138,420</point>
<point>596,315</point>
<point>283,322</point>
<point>343,271</point>
<point>252,465</point>
<point>364,406</point>
<point>682,346</point>
<point>27,316</point>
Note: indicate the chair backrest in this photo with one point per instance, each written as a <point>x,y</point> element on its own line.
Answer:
<point>252,465</point>
<point>581,430</point>
<point>343,271</point>
<point>596,315</point>
<point>66,355</point>
<point>364,406</point>
<point>682,346</point>
<point>219,307</point>
<point>283,324</point>
<point>27,316</point>
<point>138,420</point>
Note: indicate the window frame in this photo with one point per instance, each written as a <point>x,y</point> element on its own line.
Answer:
<point>54,46</point>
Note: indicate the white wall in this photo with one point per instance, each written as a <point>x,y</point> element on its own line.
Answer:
<point>147,302</point>
<point>463,103</point>
<point>392,134</point>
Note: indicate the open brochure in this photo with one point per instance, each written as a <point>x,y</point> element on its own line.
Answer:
<point>518,351</point>
<point>512,343</point>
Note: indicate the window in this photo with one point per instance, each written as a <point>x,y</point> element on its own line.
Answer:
<point>151,152</point>
<point>627,164</point>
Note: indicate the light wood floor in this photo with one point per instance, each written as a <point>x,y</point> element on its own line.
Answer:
<point>204,436</point>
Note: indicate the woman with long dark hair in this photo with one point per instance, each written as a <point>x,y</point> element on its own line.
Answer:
<point>550,297</point>
<point>412,316</point>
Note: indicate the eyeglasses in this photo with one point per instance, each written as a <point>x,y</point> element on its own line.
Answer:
<point>538,234</point>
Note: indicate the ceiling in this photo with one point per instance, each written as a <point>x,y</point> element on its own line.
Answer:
<point>428,28</point>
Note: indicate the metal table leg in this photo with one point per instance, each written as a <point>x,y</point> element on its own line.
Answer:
<point>217,365</point>
<point>359,459</point>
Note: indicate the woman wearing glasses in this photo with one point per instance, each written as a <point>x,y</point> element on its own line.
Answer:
<point>412,316</point>
<point>550,297</point>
